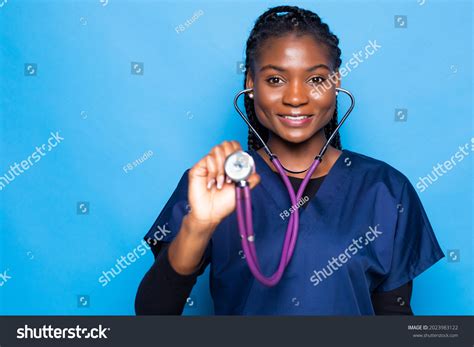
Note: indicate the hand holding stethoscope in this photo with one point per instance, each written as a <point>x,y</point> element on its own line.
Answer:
<point>211,194</point>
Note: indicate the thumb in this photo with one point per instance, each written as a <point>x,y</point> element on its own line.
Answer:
<point>254,179</point>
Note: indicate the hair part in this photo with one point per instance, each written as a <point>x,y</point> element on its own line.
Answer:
<point>280,21</point>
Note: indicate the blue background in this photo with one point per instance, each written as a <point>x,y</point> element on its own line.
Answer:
<point>179,108</point>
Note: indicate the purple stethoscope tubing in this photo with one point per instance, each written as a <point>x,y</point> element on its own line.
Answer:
<point>244,204</point>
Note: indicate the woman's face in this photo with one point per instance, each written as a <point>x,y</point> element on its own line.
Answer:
<point>287,80</point>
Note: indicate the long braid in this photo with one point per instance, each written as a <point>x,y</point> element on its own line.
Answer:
<point>278,21</point>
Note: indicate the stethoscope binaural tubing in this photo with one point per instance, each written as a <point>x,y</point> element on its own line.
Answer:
<point>244,205</point>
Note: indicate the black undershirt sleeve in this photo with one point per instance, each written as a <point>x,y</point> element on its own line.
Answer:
<point>394,302</point>
<point>163,291</point>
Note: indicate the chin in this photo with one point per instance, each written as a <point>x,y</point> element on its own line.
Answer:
<point>296,138</point>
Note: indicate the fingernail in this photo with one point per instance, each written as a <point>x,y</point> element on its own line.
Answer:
<point>220,181</point>
<point>228,180</point>
<point>210,183</point>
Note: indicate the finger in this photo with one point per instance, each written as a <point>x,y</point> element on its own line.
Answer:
<point>200,169</point>
<point>236,146</point>
<point>218,154</point>
<point>228,148</point>
<point>254,179</point>
<point>212,170</point>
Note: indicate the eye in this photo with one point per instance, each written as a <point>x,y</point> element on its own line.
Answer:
<point>317,80</point>
<point>274,80</point>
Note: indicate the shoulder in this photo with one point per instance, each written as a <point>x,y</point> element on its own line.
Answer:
<point>180,191</point>
<point>374,171</point>
<point>181,182</point>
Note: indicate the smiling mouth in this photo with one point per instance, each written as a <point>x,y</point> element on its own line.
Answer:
<point>295,118</point>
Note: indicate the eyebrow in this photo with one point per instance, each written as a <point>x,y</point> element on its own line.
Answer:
<point>274,67</point>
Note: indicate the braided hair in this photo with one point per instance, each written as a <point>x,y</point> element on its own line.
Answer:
<point>278,21</point>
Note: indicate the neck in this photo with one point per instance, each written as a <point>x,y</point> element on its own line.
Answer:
<point>300,156</point>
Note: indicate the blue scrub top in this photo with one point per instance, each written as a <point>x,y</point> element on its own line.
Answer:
<point>365,230</point>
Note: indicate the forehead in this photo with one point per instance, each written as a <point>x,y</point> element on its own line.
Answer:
<point>293,52</point>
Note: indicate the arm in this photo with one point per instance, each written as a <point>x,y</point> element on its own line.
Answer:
<point>187,249</point>
<point>164,290</point>
<point>211,197</point>
<point>393,302</point>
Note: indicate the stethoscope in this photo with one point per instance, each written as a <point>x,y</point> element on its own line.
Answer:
<point>238,167</point>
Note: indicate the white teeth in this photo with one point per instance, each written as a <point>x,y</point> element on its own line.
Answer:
<point>296,118</point>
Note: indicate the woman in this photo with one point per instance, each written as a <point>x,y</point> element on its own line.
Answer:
<point>363,233</point>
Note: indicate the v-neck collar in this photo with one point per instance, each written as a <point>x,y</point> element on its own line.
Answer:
<point>331,186</point>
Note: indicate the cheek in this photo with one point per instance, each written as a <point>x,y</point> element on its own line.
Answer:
<point>324,99</point>
<point>325,105</point>
<point>263,112</point>
<point>267,98</point>
<point>265,105</point>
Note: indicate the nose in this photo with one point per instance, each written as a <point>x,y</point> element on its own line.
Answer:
<point>295,95</point>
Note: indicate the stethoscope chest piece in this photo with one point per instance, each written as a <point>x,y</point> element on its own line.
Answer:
<point>239,166</point>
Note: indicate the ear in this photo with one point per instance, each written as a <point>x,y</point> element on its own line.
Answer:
<point>249,80</point>
<point>337,75</point>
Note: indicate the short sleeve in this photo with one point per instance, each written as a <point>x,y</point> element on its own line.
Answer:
<point>415,247</point>
<point>168,223</point>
